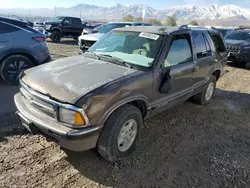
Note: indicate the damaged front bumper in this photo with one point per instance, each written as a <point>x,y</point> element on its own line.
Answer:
<point>36,121</point>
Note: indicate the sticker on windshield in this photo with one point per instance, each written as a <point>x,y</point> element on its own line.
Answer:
<point>149,36</point>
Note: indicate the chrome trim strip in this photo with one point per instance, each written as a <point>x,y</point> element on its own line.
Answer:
<point>58,104</point>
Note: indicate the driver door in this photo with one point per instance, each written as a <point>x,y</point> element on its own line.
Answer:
<point>173,83</point>
<point>68,28</point>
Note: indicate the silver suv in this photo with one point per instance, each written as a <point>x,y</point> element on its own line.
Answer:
<point>21,47</point>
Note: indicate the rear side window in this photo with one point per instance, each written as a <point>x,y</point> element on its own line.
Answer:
<point>180,51</point>
<point>202,46</point>
<point>6,28</point>
<point>77,22</point>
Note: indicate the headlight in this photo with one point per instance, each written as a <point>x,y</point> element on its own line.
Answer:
<point>47,27</point>
<point>71,117</point>
<point>84,32</point>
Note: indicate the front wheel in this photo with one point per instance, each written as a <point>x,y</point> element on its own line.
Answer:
<point>12,67</point>
<point>120,134</point>
<point>205,96</point>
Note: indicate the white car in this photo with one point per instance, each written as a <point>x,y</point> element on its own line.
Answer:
<point>87,40</point>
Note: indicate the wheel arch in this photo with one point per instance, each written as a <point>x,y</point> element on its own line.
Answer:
<point>217,73</point>
<point>139,101</point>
<point>19,52</point>
<point>58,29</point>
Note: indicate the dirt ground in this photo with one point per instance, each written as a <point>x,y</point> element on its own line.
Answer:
<point>188,146</point>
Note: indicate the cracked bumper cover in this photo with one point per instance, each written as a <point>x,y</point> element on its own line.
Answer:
<point>72,139</point>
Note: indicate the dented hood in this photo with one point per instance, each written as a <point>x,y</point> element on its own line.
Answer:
<point>71,78</point>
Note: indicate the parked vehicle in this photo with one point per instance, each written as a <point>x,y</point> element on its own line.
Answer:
<point>21,47</point>
<point>130,74</point>
<point>86,41</point>
<point>224,31</point>
<point>63,27</point>
<point>39,26</point>
<point>87,30</point>
<point>238,46</point>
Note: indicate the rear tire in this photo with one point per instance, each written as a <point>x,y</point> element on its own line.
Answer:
<point>205,96</point>
<point>12,66</point>
<point>55,36</point>
<point>120,134</point>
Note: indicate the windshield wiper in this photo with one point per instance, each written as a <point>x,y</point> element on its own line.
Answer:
<point>121,61</point>
<point>94,54</point>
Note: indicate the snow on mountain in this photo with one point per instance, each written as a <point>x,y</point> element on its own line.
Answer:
<point>188,12</point>
<point>116,12</point>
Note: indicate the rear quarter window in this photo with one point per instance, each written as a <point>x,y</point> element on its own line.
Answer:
<point>7,28</point>
<point>218,42</point>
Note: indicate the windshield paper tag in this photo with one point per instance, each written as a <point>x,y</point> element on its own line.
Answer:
<point>149,36</point>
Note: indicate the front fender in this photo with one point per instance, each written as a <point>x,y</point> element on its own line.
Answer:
<point>56,28</point>
<point>122,101</point>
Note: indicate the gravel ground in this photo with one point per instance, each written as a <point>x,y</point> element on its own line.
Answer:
<point>187,146</point>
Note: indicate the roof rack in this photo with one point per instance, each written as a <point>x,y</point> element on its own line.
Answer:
<point>193,27</point>
<point>242,27</point>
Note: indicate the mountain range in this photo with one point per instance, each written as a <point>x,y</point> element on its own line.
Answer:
<point>118,11</point>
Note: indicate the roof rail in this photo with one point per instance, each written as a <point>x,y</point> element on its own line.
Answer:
<point>242,27</point>
<point>183,27</point>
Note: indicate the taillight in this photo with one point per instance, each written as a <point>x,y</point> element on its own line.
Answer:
<point>39,39</point>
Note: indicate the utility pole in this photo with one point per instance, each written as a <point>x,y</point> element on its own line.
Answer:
<point>105,16</point>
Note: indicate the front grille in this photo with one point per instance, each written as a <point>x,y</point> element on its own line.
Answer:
<point>35,101</point>
<point>233,48</point>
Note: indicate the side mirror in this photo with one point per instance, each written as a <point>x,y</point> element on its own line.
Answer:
<point>166,82</point>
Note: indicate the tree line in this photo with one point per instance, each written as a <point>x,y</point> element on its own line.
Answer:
<point>170,20</point>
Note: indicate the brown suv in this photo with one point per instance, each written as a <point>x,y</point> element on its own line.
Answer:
<point>99,99</point>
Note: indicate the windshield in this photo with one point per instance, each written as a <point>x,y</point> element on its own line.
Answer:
<point>224,32</point>
<point>239,35</point>
<point>98,28</point>
<point>107,28</point>
<point>134,48</point>
<point>56,19</point>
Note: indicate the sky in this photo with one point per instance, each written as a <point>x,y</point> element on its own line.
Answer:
<point>157,4</point>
